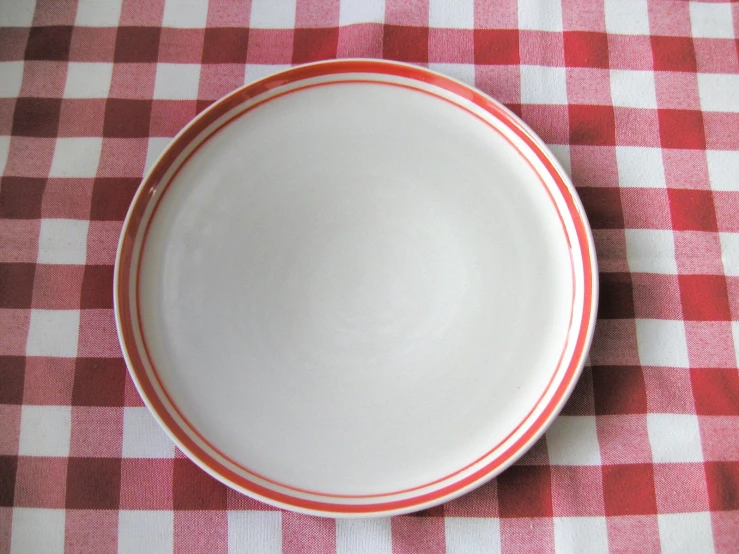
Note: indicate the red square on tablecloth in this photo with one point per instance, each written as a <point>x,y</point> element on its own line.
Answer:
<point>8,468</point>
<point>12,369</point>
<point>681,129</point>
<point>481,502</point>
<point>21,197</point>
<point>225,45</point>
<point>592,125</point>
<point>673,53</point>
<point>603,207</point>
<point>49,43</point>
<point>619,390</point>
<point>93,44</point>
<point>193,489</point>
<point>94,483</point>
<point>525,491</point>
<point>40,482</point>
<point>97,287</point>
<point>312,45</point>
<point>36,117</point>
<point>57,287</point>
<point>616,296</point>
<point>680,487</point>
<point>577,491</point>
<point>91,531</point>
<point>496,46</point>
<point>656,296</point>
<point>16,285</point>
<point>406,44</point>
<point>715,391</point>
<point>628,489</point>
<point>704,298</point>
<point>692,210</point>
<point>48,381</point>
<point>146,484</point>
<point>455,46</point>
<point>586,49</point>
<point>723,485</point>
<point>126,118</point>
<point>111,198</point>
<point>137,44</point>
<point>99,382</point>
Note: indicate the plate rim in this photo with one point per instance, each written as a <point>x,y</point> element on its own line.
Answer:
<point>197,126</point>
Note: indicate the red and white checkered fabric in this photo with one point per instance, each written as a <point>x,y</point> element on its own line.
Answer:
<point>638,98</point>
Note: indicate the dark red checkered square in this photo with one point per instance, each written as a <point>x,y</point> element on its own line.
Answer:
<point>496,46</point>
<point>692,210</point>
<point>580,402</point>
<point>111,198</point>
<point>723,485</point>
<point>49,43</point>
<point>12,370</point>
<point>8,468</point>
<point>704,298</point>
<point>193,489</point>
<point>137,44</point>
<point>312,45</point>
<point>16,285</point>
<point>127,118</point>
<point>41,482</point>
<point>57,287</point>
<point>97,287</point>
<point>525,491</point>
<point>614,342</point>
<point>673,53</point>
<point>94,483</point>
<point>225,45</point>
<point>603,207</point>
<point>619,390</point>
<point>715,391</point>
<point>406,44</point>
<point>628,489</point>
<point>586,49</point>
<point>20,197</point>
<point>616,296</point>
<point>592,125</point>
<point>36,117</point>
<point>681,129</point>
<point>99,382</point>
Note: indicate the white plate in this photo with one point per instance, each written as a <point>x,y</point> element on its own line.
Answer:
<point>355,288</point>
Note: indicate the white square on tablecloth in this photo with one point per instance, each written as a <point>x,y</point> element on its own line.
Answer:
<point>466,535</point>
<point>464,72</point>
<point>534,15</point>
<point>10,84</point>
<point>674,438</point>
<point>191,14</point>
<point>683,533</point>
<point>142,436</point>
<point>723,169</point>
<point>53,333</point>
<point>719,92</point>
<point>76,157</point>
<point>357,536</point>
<point>17,14</point>
<point>45,430</point>
<point>268,14</point>
<point>255,531</point>
<point>633,89</point>
<point>562,153</point>
<point>650,251</point>
<point>543,85</point>
<point>361,11</point>
<point>573,441</point>
<point>63,241</point>
<point>254,72</point>
<point>711,20</point>
<point>88,80</point>
<point>627,17</point>
<point>177,81</point>
<point>4,151</point>
<point>581,534</point>
<point>145,531</point>
<point>730,253</point>
<point>37,530</point>
<point>94,13</point>
<point>154,148</point>
<point>640,166</point>
<point>662,343</point>
<point>459,14</point>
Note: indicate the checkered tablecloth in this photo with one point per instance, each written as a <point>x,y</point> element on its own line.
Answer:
<point>639,99</point>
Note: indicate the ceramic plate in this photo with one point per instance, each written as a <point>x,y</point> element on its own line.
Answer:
<point>355,288</point>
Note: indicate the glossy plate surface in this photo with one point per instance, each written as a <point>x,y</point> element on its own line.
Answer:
<point>355,288</point>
